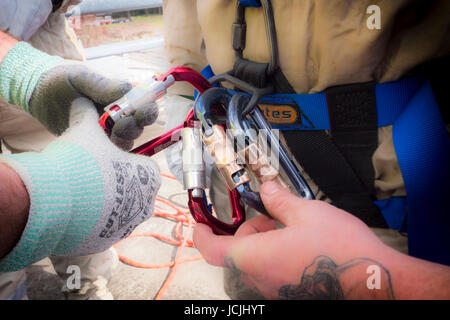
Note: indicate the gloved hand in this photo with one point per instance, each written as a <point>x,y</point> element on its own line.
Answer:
<point>126,129</point>
<point>85,193</point>
<point>46,86</point>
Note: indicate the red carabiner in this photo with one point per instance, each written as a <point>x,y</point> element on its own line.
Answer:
<point>201,213</point>
<point>189,75</point>
<point>197,205</point>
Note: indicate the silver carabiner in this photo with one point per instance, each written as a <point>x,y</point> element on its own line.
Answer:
<point>246,141</point>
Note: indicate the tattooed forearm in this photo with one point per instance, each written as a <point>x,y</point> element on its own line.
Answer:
<point>324,279</point>
<point>319,281</point>
<point>236,272</point>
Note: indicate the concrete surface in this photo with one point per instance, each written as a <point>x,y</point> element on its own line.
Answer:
<point>193,280</point>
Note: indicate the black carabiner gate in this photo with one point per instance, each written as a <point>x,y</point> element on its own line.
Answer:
<point>255,82</point>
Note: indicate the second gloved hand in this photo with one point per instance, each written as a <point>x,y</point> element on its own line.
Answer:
<point>85,193</point>
<point>45,86</point>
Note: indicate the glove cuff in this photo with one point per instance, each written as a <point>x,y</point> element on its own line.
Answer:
<point>20,72</point>
<point>66,193</point>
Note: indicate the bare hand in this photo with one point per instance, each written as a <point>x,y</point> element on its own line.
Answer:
<point>321,253</point>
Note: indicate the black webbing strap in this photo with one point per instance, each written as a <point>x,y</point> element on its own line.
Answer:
<point>326,165</point>
<point>341,164</point>
<point>354,127</point>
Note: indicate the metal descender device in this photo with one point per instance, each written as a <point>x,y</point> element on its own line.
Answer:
<point>228,125</point>
<point>214,123</point>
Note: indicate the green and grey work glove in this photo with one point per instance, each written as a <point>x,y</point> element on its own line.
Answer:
<point>45,86</point>
<point>85,193</point>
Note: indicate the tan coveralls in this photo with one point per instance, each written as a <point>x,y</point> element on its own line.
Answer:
<point>321,44</point>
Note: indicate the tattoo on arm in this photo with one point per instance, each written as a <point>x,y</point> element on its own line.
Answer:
<point>230,264</point>
<point>321,280</point>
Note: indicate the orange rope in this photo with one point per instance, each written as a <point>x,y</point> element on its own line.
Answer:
<point>167,176</point>
<point>182,218</point>
<point>171,275</point>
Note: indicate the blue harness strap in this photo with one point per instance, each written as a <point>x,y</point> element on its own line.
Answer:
<point>391,98</point>
<point>422,147</point>
<point>423,151</point>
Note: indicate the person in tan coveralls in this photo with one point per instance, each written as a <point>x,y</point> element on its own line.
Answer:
<point>20,132</point>
<point>321,44</point>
